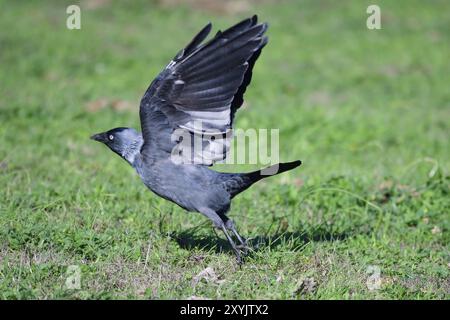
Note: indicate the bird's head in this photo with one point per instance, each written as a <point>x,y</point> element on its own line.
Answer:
<point>126,142</point>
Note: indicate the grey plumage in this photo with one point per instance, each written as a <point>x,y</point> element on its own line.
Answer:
<point>204,83</point>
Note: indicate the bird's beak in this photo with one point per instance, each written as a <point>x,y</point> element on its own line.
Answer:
<point>100,137</point>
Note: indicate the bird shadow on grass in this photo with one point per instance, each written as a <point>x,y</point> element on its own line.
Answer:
<point>293,241</point>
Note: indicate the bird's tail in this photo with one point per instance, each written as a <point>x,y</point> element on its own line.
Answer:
<point>240,182</point>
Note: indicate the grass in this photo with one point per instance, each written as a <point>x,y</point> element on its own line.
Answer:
<point>367,112</point>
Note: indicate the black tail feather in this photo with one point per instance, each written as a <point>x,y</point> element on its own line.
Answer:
<point>273,170</point>
<point>240,182</point>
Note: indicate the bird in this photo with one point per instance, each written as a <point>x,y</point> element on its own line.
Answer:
<point>194,97</point>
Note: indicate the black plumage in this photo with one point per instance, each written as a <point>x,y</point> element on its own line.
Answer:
<point>197,94</point>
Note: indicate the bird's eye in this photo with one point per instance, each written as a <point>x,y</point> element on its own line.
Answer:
<point>111,137</point>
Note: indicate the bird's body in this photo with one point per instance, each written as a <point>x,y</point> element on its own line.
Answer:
<point>174,182</point>
<point>196,97</point>
<point>212,189</point>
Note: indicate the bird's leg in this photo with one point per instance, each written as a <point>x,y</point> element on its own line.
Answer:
<point>243,242</point>
<point>220,224</point>
<point>233,245</point>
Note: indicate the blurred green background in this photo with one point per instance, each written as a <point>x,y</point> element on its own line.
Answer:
<point>367,111</point>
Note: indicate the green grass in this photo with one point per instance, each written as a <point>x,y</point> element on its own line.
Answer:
<point>367,112</point>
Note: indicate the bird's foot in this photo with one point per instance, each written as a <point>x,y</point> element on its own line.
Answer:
<point>243,245</point>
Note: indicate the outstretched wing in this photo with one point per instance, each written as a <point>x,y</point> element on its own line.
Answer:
<point>191,104</point>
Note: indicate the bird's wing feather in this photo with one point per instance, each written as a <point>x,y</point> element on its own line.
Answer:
<point>199,91</point>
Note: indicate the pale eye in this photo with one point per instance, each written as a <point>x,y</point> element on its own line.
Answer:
<point>111,137</point>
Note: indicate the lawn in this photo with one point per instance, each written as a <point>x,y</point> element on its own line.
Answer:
<point>367,111</point>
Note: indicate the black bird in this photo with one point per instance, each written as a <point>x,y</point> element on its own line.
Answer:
<point>196,95</point>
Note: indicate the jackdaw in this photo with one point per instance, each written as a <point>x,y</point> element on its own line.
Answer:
<point>193,99</point>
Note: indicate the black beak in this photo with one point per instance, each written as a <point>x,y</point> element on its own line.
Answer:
<point>100,137</point>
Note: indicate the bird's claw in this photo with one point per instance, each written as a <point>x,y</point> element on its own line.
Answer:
<point>244,248</point>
